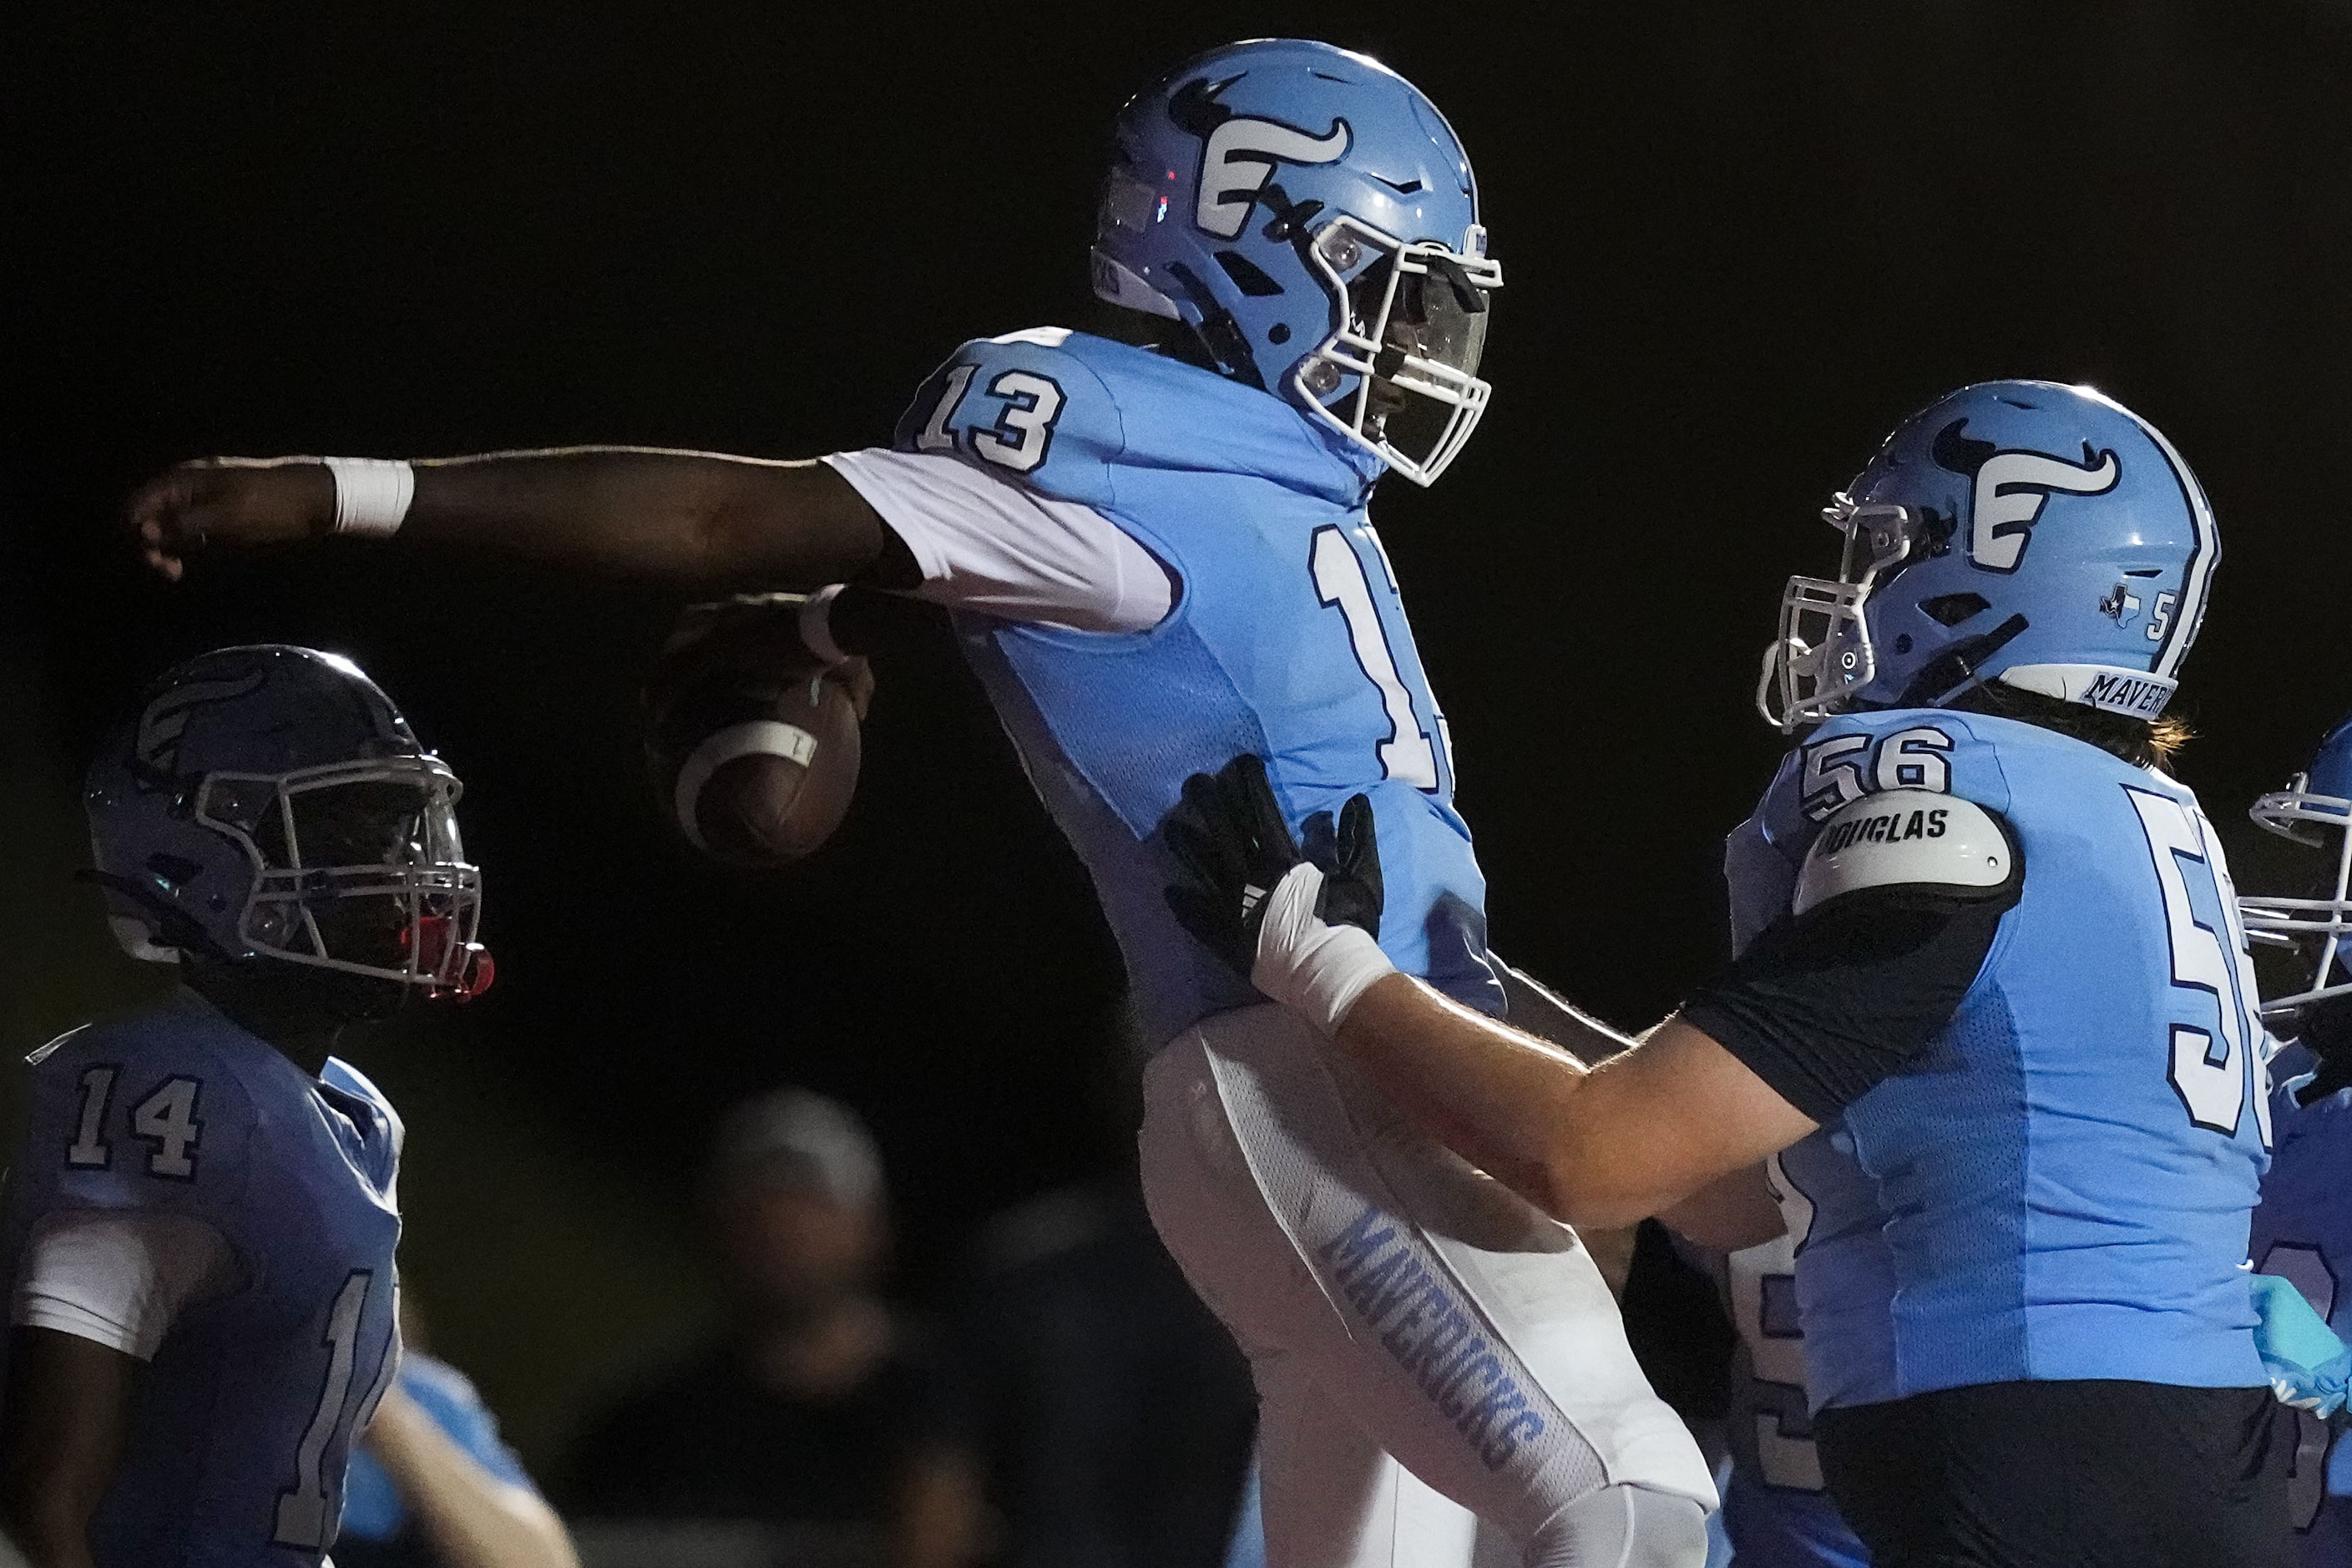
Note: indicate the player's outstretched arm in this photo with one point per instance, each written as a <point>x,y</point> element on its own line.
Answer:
<point>696,522</point>
<point>63,1428</point>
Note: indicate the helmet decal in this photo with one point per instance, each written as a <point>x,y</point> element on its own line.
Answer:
<point>2012,488</point>
<point>2121,605</point>
<point>2188,612</point>
<point>1941,587</point>
<point>1310,220</point>
<point>1239,152</point>
<point>165,720</point>
<point>268,802</point>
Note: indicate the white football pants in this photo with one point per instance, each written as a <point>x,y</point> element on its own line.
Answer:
<point>1427,1346</point>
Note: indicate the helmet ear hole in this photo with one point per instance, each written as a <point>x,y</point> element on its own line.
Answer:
<point>1248,276</point>
<point>1951,609</point>
<point>174,870</point>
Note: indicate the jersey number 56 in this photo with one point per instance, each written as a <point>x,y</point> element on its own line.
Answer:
<point>2216,1062</point>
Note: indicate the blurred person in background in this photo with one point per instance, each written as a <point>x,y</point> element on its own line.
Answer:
<point>817,1407</point>
<point>431,1484</point>
<point>1108,1412</point>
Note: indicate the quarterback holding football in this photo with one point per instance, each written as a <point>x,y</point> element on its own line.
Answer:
<point>1154,539</point>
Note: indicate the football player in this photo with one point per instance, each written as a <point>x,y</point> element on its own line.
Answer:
<point>1156,542</point>
<point>1993,1012</point>
<point>201,1220</point>
<point>2303,1229</point>
<point>1776,1510</point>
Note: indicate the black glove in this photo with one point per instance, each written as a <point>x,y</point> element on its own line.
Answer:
<point>1231,847</point>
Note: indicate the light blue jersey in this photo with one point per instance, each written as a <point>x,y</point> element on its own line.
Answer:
<point>1287,638</point>
<point>373,1508</point>
<point>2060,1185</point>
<point>1776,1511</point>
<point>245,1416</point>
<point>2303,1232</point>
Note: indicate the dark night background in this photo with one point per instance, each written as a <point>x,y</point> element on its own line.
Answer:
<point>1740,242</point>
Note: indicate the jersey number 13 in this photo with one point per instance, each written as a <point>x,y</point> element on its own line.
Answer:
<point>1340,583</point>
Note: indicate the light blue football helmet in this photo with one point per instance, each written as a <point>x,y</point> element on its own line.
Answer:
<point>269,803</point>
<point>2314,808</point>
<point>1311,216</point>
<point>2039,535</point>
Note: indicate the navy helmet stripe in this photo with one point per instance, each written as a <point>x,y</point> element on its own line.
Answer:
<point>2191,610</point>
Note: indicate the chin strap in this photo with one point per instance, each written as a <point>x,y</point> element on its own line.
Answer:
<point>175,927</point>
<point>1955,669</point>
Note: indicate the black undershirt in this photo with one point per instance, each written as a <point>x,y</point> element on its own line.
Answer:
<point>1824,1006</point>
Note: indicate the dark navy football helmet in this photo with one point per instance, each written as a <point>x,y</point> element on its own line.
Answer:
<point>2040,535</point>
<point>1311,216</point>
<point>2314,809</point>
<point>270,803</point>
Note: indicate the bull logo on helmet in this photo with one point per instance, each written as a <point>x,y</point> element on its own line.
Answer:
<point>2012,487</point>
<point>1238,153</point>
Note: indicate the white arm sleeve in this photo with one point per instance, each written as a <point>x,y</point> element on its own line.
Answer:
<point>119,1279</point>
<point>986,544</point>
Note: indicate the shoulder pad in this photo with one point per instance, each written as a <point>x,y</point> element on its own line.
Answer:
<point>1025,408</point>
<point>1910,838</point>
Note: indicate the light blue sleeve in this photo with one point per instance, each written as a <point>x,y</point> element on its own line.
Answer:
<point>1759,880</point>
<point>373,1507</point>
<point>1845,760</point>
<point>1247,1547</point>
<point>136,1119</point>
<point>448,1396</point>
<point>1026,409</point>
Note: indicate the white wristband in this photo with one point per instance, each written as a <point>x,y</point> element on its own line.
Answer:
<point>817,625</point>
<point>371,495</point>
<point>1308,965</point>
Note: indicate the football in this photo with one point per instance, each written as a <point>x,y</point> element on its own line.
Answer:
<point>752,742</point>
